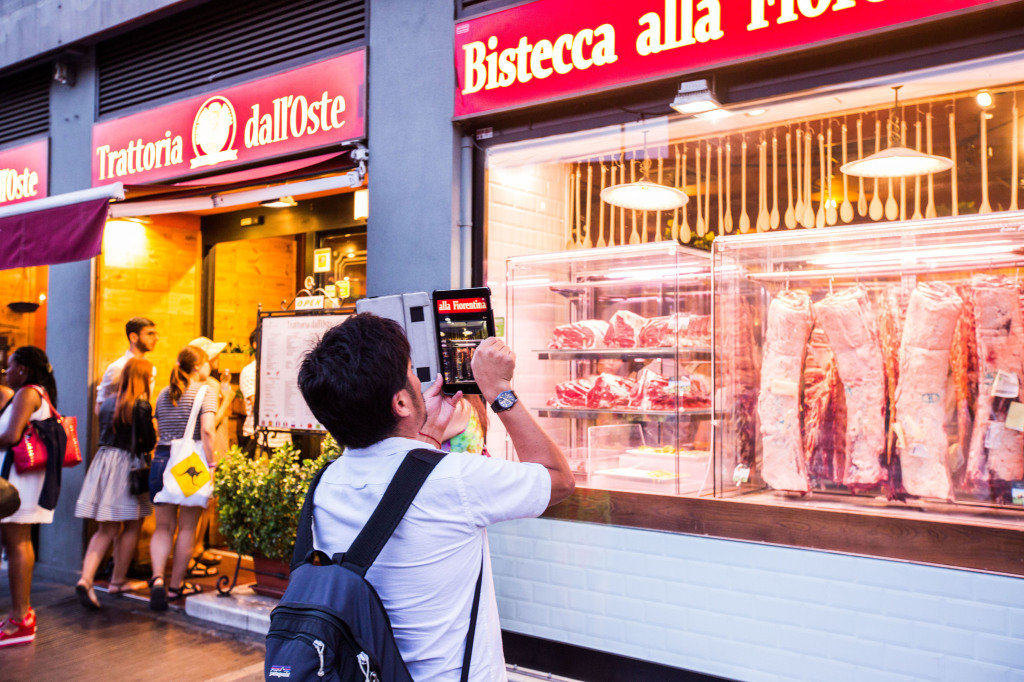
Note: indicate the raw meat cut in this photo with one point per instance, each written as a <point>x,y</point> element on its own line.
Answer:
<point>652,392</point>
<point>610,391</point>
<point>824,412</point>
<point>582,334</point>
<point>920,408</point>
<point>778,405</point>
<point>996,452</point>
<point>624,329</point>
<point>694,392</point>
<point>849,321</point>
<point>964,361</point>
<point>684,330</point>
<point>572,394</point>
<point>738,385</point>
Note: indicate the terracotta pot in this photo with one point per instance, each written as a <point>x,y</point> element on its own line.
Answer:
<point>271,576</point>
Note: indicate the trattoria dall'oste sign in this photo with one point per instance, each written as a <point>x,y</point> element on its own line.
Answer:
<point>552,49</point>
<point>307,108</point>
<point>23,172</point>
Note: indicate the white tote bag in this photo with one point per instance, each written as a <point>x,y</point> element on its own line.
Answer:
<point>188,480</point>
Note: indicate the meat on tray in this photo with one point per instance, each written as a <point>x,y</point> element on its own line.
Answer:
<point>920,407</point>
<point>610,391</point>
<point>582,334</point>
<point>624,330</point>
<point>684,330</point>
<point>778,405</point>
<point>849,321</point>
<point>996,452</point>
<point>572,394</point>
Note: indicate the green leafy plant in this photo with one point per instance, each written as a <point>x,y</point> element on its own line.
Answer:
<point>259,498</point>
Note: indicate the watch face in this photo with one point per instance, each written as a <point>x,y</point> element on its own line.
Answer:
<point>507,399</point>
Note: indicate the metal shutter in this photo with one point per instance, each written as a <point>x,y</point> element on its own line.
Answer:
<point>25,104</point>
<point>221,41</point>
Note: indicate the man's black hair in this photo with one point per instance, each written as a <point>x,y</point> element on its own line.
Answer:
<point>350,377</point>
<point>136,325</point>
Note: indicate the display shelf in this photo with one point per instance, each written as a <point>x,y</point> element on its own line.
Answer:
<point>619,353</point>
<point>647,415</point>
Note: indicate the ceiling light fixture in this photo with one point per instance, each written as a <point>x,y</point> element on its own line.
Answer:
<point>897,161</point>
<point>282,202</point>
<point>984,99</point>
<point>644,195</point>
<point>694,97</point>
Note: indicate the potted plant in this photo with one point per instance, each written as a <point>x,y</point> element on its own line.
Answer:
<point>258,504</point>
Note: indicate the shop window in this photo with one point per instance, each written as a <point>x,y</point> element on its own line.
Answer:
<point>347,272</point>
<point>23,316</point>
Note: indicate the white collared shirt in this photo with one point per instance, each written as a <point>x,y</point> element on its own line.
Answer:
<point>426,573</point>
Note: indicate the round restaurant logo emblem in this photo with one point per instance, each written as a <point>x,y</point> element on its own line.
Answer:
<point>213,132</point>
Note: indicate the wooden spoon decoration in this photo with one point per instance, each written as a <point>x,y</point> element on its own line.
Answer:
<point>789,218</point>
<point>701,229</point>
<point>875,209</point>
<point>831,214</point>
<point>744,220</point>
<point>763,217</point>
<point>657,221</point>
<point>675,183</point>
<point>819,217</point>
<point>579,209</point>
<point>862,199</point>
<point>611,209</point>
<point>634,236</point>
<point>600,212</point>
<point>570,242</point>
<point>1014,171</point>
<point>846,208</point>
<point>685,233</point>
<point>707,188</point>
<point>954,197</point>
<point>588,226</point>
<point>903,179</point>
<point>929,211</point>
<point>917,178</point>
<point>718,193</point>
<point>985,206</point>
<point>799,216</point>
<point>728,188</point>
<point>773,218</point>
<point>809,218</point>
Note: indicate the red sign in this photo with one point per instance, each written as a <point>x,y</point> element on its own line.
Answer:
<point>23,172</point>
<point>461,305</point>
<point>307,108</point>
<point>552,49</point>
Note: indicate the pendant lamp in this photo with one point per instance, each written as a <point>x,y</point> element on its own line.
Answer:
<point>897,161</point>
<point>644,195</point>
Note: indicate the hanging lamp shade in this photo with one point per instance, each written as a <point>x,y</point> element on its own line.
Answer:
<point>897,161</point>
<point>644,195</point>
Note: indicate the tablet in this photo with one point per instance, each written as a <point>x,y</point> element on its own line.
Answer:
<point>462,319</point>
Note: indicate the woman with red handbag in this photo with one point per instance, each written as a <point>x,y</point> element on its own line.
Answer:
<point>30,375</point>
<point>126,436</point>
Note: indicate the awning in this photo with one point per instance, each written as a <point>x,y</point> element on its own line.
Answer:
<point>59,229</point>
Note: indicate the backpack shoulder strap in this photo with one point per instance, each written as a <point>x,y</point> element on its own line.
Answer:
<point>408,480</point>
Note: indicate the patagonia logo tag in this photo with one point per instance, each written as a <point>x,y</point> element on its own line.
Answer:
<point>280,671</point>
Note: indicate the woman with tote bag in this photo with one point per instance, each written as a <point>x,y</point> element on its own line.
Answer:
<point>126,436</point>
<point>174,412</point>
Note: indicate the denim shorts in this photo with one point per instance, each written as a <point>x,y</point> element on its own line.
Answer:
<point>156,471</point>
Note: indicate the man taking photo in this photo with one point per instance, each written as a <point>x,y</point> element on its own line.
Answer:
<point>359,383</point>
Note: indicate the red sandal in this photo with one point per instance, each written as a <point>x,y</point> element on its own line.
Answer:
<point>25,634</point>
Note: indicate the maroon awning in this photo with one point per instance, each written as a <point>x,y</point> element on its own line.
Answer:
<point>54,230</point>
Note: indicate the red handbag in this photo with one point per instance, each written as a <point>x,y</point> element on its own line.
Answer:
<point>30,452</point>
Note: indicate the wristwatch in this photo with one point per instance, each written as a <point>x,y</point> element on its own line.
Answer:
<point>504,401</point>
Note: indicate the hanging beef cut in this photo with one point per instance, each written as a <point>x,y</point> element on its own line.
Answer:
<point>578,335</point>
<point>824,412</point>
<point>996,452</point>
<point>920,408</point>
<point>849,321</point>
<point>624,330</point>
<point>778,405</point>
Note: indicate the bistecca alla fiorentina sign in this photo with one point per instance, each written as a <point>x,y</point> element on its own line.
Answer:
<point>304,109</point>
<point>553,49</point>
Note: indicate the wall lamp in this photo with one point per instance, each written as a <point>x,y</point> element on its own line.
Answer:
<point>695,97</point>
<point>282,202</point>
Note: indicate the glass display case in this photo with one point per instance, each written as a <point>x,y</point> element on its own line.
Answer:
<point>613,350</point>
<point>873,367</point>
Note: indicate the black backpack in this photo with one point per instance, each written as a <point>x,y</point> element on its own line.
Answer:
<point>330,624</point>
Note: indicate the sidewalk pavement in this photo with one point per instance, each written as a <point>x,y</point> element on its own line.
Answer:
<point>208,639</point>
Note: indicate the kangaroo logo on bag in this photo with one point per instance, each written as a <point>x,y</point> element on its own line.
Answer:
<point>191,474</point>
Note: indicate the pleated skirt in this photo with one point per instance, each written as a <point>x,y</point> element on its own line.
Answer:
<point>105,495</point>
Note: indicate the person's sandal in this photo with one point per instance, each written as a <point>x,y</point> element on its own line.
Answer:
<point>186,589</point>
<point>118,589</point>
<point>87,597</point>
<point>157,594</point>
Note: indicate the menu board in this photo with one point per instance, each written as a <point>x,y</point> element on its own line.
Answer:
<point>284,340</point>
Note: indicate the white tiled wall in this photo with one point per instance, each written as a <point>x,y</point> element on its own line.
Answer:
<point>747,611</point>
